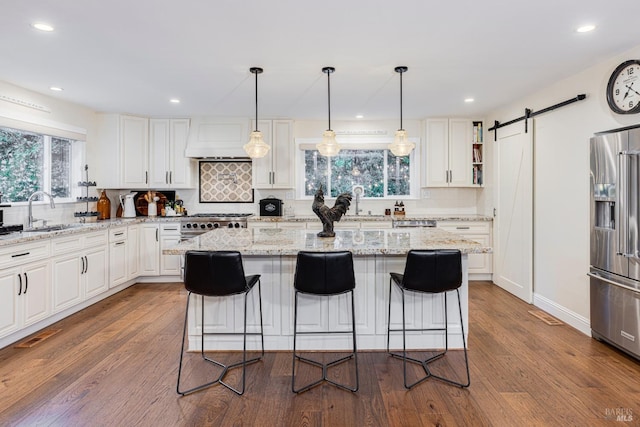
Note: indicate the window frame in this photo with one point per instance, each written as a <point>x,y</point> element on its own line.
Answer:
<point>357,143</point>
<point>77,161</point>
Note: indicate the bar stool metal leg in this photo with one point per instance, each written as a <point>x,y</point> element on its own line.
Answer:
<point>324,366</point>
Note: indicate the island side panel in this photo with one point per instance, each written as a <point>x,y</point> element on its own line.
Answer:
<point>372,291</point>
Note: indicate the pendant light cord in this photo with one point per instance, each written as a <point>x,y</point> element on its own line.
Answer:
<point>329,96</point>
<point>256,129</point>
<point>400,101</point>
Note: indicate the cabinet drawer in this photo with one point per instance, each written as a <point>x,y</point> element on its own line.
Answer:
<point>63,245</point>
<point>466,227</point>
<point>22,254</point>
<point>170,229</point>
<point>117,234</point>
<point>96,239</point>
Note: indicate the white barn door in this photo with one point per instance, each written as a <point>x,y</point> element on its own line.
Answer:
<point>513,222</point>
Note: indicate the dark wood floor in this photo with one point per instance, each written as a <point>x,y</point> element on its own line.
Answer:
<point>115,363</point>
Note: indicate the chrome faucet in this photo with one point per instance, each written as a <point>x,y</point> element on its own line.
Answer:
<point>31,220</point>
<point>358,190</point>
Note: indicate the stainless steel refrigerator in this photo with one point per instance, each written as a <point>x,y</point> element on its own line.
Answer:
<point>615,249</point>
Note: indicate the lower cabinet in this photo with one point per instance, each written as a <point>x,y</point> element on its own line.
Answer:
<point>149,249</point>
<point>169,236</point>
<point>81,272</point>
<point>24,296</point>
<point>480,231</point>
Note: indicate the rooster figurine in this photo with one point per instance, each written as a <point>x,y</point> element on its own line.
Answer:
<point>328,215</point>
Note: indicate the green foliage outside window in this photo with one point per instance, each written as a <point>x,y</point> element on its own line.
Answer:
<point>30,162</point>
<point>378,171</point>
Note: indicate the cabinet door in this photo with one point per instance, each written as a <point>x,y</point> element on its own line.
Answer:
<point>36,288</point>
<point>282,154</point>
<point>134,140</point>
<point>159,137</point>
<point>169,264</point>
<point>96,269</point>
<point>9,284</point>
<point>117,263</point>
<point>436,159</point>
<point>181,168</point>
<point>66,281</point>
<point>133,255</point>
<point>149,250</point>
<point>460,152</point>
<point>262,167</point>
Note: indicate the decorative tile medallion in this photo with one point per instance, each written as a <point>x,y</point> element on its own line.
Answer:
<point>225,181</point>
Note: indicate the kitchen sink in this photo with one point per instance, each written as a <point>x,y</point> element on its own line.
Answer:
<point>49,228</point>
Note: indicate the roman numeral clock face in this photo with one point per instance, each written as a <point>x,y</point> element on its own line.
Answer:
<point>623,90</point>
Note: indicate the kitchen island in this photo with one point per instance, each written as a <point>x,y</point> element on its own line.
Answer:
<point>272,254</point>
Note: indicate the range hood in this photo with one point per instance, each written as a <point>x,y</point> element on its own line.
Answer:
<point>217,137</point>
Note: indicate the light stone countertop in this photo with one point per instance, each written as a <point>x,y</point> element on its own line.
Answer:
<point>276,241</point>
<point>380,218</point>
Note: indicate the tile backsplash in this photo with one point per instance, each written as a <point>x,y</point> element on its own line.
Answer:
<point>225,181</point>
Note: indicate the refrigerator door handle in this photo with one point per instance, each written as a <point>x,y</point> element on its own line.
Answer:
<point>623,209</point>
<point>611,282</point>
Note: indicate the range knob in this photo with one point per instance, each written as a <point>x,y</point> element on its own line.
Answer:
<point>188,225</point>
<point>230,225</point>
<point>194,225</point>
<point>202,226</point>
<point>209,225</point>
<point>236,225</point>
<point>216,225</point>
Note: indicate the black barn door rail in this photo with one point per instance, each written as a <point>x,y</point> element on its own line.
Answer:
<point>528,113</point>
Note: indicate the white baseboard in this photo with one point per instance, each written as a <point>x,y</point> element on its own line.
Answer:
<point>569,317</point>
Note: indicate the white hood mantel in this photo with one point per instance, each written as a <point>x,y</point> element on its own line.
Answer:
<point>217,137</point>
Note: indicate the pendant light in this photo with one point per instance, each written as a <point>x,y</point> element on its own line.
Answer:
<point>401,145</point>
<point>329,146</point>
<point>256,147</point>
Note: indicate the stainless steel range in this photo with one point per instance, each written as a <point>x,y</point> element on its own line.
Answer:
<point>194,225</point>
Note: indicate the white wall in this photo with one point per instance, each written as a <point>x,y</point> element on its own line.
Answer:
<point>561,184</point>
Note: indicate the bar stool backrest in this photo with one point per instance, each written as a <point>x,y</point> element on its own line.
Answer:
<point>433,271</point>
<point>324,273</point>
<point>216,273</point>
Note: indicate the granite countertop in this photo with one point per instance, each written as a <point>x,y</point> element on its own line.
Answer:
<point>76,228</point>
<point>276,241</point>
<point>381,218</point>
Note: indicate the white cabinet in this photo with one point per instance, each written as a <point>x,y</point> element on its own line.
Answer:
<point>169,168</point>
<point>276,169</point>
<point>149,249</point>
<point>25,273</point>
<point>118,256</point>
<point>121,151</point>
<point>169,236</point>
<point>80,269</point>
<point>133,251</point>
<point>448,153</point>
<point>481,232</point>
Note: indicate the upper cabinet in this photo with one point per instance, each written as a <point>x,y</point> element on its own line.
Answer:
<point>276,169</point>
<point>125,157</point>
<point>451,153</point>
<point>168,166</point>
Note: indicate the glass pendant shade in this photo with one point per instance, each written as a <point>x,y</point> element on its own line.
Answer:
<point>329,146</point>
<point>401,145</point>
<point>256,147</point>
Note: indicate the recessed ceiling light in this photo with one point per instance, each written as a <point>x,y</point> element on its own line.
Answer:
<point>174,101</point>
<point>56,88</point>
<point>42,26</point>
<point>468,100</point>
<point>586,28</point>
<point>359,116</point>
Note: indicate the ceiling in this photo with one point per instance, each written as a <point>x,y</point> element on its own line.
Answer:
<point>133,56</point>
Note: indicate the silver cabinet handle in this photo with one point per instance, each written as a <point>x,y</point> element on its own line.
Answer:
<point>170,177</point>
<point>462,228</point>
<point>146,177</point>
<point>157,230</point>
<point>166,177</point>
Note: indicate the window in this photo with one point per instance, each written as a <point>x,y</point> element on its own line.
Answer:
<point>31,161</point>
<point>377,170</point>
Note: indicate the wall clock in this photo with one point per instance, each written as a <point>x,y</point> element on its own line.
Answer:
<point>623,89</point>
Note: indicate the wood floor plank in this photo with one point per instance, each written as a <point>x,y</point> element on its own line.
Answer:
<point>115,363</point>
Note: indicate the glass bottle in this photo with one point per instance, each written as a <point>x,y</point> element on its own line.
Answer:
<point>104,206</point>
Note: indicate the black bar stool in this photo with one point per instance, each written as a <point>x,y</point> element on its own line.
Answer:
<point>433,272</point>
<point>219,274</point>
<point>324,273</point>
